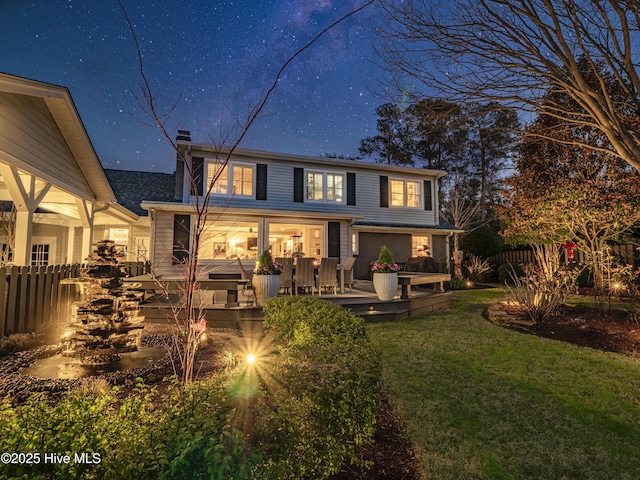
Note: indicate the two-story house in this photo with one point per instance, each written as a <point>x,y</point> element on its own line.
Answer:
<point>294,205</point>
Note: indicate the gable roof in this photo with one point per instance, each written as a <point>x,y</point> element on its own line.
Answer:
<point>88,181</point>
<point>132,187</point>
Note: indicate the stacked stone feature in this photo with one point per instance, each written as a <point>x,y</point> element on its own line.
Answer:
<point>105,320</point>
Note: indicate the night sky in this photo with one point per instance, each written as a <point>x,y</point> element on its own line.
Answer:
<point>215,58</point>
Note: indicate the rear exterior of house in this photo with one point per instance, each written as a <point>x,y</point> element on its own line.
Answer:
<point>296,206</point>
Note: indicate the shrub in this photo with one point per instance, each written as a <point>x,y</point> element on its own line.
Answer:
<point>385,263</point>
<point>457,283</point>
<point>507,271</point>
<point>305,321</point>
<point>326,408</point>
<point>309,411</point>
<point>190,435</point>
<point>477,269</point>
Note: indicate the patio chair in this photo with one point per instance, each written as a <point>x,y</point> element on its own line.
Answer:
<point>347,270</point>
<point>304,274</point>
<point>327,275</point>
<point>247,275</point>
<point>286,278</point>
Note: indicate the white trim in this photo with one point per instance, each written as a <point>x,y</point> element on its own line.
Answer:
<point>45,240</point>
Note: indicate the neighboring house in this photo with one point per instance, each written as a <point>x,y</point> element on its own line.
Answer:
<point>295,205</point>
<point>50,172</point>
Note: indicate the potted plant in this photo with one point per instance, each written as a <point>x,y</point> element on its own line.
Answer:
<point>385,275</point>
<point>266,278</point>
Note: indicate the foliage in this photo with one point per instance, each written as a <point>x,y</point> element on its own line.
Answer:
<point>266,265</point>
<point>542,289</point>
<point>477,268</point>
<point>457,283</point>
<point>304,321</point>
<point>535,295</point>
<point>484,241</point>
<point>390,145</point>
<point>202,436</point>
<point>326,410</point>
<point>512,52</point>
<point>508,271</point>
<point>385,263</point>
<point>18,342</point>
<point>192,435</point>
<point>565,191</point>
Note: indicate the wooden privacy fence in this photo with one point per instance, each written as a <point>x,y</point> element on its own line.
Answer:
<point>30,296</point>
<point>625,253</point>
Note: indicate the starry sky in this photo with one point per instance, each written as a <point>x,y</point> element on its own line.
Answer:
<point>211,59</point>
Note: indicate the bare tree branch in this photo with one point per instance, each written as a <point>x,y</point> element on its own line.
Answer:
<point>516,51</point>
<point>190,268</point>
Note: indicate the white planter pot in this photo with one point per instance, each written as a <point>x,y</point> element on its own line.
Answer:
<point>266,287</point>
<point>386,285</point>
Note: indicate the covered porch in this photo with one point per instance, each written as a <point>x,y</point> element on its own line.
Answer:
<point>51,175</point>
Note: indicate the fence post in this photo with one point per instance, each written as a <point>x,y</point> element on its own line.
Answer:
<point>47,284</point>
<point>31,295</point>
<point>3,301</point>
<point>22,299</point>
<point>55,289</point>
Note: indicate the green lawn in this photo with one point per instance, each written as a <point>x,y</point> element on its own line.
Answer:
<point>481,401</point>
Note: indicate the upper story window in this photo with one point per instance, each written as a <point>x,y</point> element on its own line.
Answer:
<point>242,175</point>
<point>325,187</point>
<point>405,193</point>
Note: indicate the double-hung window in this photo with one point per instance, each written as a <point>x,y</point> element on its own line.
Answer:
<point>325,186</point>
<point>405,193</point>
<point>242,179</point>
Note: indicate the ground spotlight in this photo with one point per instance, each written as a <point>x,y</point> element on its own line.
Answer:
<point>251,358</point>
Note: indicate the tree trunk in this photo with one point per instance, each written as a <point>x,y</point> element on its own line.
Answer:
<point>457,257</point>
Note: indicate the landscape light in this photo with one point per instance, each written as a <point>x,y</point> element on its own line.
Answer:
<point>251,358</point>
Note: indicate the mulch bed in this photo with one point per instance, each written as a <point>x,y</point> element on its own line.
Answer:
<point>602,329</point>
<point>391,457</point>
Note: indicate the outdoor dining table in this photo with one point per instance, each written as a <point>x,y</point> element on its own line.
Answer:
<point>149,283</point>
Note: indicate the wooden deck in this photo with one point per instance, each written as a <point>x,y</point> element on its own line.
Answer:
<point>362,301</point>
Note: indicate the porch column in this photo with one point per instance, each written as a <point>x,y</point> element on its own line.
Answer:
<point>71,238</point>
<point>26,194</point>
<point>23,231</point>
<point>87,213</point>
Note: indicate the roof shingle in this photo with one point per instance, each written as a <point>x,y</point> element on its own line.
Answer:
<point>132,187</point>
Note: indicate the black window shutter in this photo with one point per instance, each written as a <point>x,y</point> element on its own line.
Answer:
<point>384,191</point>
<point>181,238</point>
<point>333,235</point>
<point>298,185</point>
<point>428,201</point>
<point>261,181</point>
<point>197,170</point>
<point>351,188</point>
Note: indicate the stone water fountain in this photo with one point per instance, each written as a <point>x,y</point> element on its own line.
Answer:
<point>104,335</point>
<point>104,322</point>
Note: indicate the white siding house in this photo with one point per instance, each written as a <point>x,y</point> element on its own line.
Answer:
<point>52,177</point>
<point>297,205</point>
